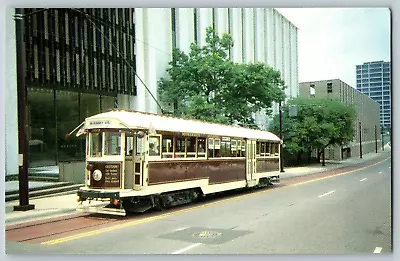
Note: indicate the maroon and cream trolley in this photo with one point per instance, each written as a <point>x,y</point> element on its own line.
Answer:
<point>136,161</point>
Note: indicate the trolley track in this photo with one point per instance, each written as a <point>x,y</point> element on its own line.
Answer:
<point>38,231</point>
<point>53,228</point>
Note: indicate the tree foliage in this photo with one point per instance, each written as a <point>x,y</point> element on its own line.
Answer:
<point>205,84</point>
<point>318,124</point>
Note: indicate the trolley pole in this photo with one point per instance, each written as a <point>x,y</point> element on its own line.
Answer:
<point>383,143</point>
<point>359,123</point>
<point>22,116</point>
<point>281,135</point>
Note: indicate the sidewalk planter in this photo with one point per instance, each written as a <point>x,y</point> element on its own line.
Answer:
<point>73,171</point>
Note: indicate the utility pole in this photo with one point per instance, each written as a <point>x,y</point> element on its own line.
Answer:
<point>359,123</point>
<point>376,140</point>
<point>281,135</point>
<point>22,115</point>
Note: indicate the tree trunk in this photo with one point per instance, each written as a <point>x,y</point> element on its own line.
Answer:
<point>309,156</point>
<point>298,157</point>
<point>323,157</point>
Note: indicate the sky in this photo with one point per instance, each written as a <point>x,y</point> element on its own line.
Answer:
<point>332,41</point>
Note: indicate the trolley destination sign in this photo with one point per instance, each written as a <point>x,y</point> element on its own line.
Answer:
<point>102,123</point>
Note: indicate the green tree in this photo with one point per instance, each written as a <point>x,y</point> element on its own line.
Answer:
<point>205,84</point>
<point>318,123</point>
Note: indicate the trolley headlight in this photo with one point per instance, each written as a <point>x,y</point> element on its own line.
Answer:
<point>90,167</point>
<point>97,175</point>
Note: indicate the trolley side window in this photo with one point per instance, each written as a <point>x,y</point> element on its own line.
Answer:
<point>129,142</point>
<point>243,148</point>
<point>191,147</point>
<point>154,146</point>
<point>167,148</point>
<point>263,149</point>
<point>139,146</point>
<point>267,149</point>
<point>275,149</point>
<point>225,147</point>
<point>214,148</point>
<point>234,148</point>
<point>201,147</point>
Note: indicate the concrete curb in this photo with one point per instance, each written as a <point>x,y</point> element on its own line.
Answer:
<point>39,214</point>
<point>45,191</point>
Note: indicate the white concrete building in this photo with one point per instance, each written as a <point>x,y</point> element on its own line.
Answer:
<point>259,34</point>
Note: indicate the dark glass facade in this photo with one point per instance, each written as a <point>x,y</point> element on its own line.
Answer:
<point>54,113</point>
<point>77,62</point>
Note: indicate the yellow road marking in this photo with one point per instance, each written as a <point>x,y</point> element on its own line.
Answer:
<point>148,219</point>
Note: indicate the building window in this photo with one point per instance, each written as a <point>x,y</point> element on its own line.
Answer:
<point>312,90</point>
<point>255,31</point>
<point>329,87</point>
<point>195,25</point>
<point>229,31</point>
<point>214,19</point>
<point>243,34</point>
<point>173,26</point>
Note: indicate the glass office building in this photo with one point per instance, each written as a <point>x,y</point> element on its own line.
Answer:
<point>373,79</point>
<point>73,72</point>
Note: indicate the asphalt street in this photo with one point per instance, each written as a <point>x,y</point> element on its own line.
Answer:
<point>345,214</point>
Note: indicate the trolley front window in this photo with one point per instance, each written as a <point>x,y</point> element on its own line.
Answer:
<point>108,143</point>
<point>112,143</point>
<point>96,144</point>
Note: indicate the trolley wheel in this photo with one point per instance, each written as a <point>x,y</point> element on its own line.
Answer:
<point>159,202</point>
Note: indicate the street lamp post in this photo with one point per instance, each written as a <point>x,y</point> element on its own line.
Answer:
<point>359,123</point>
<point>22,116</point>
<point>281,135</point>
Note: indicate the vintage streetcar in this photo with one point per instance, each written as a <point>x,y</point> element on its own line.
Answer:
<point>136,161</point>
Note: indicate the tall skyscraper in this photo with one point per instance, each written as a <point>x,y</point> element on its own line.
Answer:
<point>373,79</point>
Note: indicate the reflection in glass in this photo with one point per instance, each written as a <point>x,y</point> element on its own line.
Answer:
<point>89,105</point>
<point>50,120</point>
<point>67,109</point>
<point>107,103</point>
<point>42,127</point>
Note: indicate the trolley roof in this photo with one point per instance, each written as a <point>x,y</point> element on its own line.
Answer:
<point>124,119</point>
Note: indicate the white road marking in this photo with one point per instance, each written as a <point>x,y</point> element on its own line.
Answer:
<point>377,250</point>
<point>363,179</point>
<point>180,228</point>
<point>326,194</point>
<point>180,251</point>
